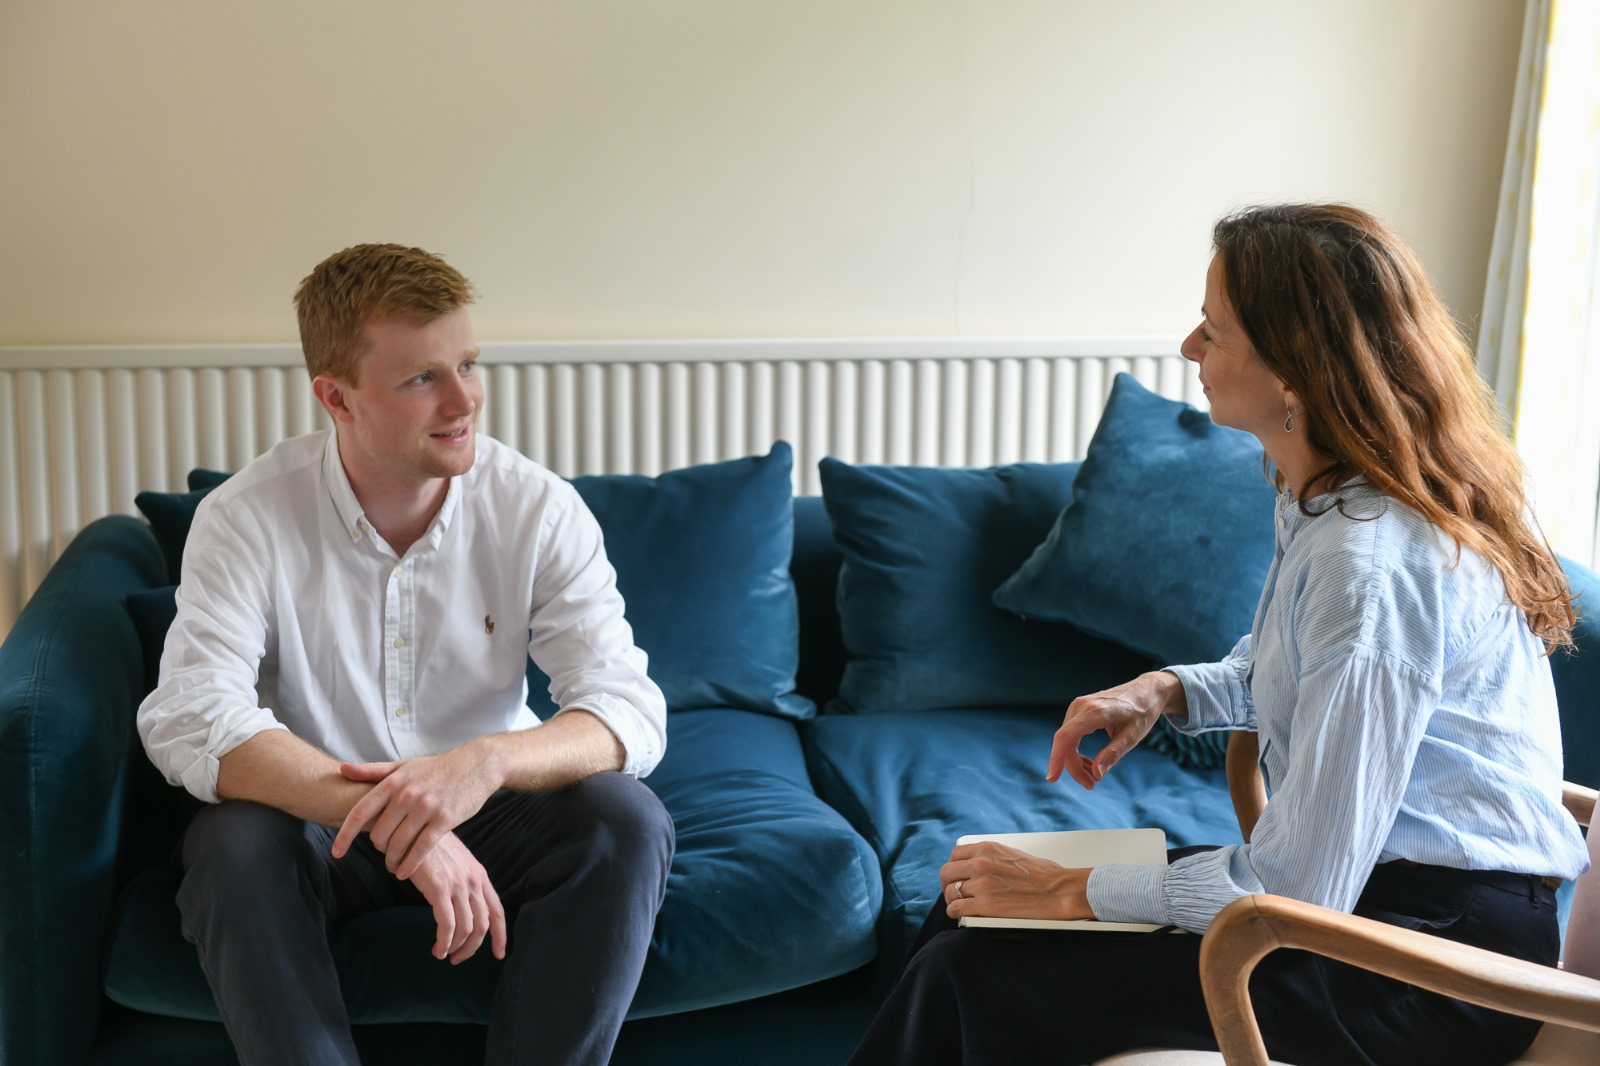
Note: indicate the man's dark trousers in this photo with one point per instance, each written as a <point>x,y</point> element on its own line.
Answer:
<point>580,872</point>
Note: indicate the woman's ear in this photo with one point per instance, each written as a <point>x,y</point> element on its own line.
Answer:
<point>1290,400</point>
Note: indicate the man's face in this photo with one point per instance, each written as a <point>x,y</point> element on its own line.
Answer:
<point>413,417</point>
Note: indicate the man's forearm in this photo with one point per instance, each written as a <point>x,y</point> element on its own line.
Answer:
<point>278,769</point>
<point>569,747</point>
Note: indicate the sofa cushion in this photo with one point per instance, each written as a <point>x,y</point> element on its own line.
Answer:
<point>924,548</point>
<point>911,783</point>
<point>201,478</point>
<point>152,611</point>
<point>815,568</point>
<point>770,889</point>
<point>1185,588</point>
<point>1578,682</point>
<point>171,514</point>
<point>702,560</point>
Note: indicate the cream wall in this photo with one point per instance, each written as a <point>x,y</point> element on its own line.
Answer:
<point>713,168</point>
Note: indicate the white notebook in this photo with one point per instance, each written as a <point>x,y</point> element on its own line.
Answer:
<point>1078,847</point>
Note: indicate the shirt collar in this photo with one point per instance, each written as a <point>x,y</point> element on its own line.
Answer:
<point>343,496</point>
<point>1354,495</point>
<point>354,518</point>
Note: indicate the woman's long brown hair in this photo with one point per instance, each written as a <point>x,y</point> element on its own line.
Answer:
<point>1339,308</point>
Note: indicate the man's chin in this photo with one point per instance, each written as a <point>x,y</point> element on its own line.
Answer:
<point>457,459</point>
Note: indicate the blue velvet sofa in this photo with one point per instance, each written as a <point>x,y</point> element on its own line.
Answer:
<point>853,681</point>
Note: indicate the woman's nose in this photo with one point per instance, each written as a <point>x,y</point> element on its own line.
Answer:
<point>1190,348</point>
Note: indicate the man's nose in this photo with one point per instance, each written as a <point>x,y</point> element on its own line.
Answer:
<point>461,395</point>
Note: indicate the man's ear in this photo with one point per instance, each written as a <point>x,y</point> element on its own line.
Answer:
<point>330,393</point>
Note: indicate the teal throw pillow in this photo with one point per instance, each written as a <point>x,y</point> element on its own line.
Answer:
<point>171,514</point>
<point>201,478</point>
<point>702,560</point>
<point>1165,545</point>
<point>923,549</point>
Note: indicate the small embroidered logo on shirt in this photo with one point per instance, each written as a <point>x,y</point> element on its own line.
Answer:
<point>488,623</point>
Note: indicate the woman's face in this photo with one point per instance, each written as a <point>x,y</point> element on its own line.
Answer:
<point>1244,394</point>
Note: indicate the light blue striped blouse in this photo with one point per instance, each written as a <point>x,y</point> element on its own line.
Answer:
<point>1405,711</point>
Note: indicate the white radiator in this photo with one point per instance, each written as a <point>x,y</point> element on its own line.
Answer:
<point>84,429</point>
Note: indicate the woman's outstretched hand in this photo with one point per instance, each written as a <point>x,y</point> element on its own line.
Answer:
<point>1126,713</point>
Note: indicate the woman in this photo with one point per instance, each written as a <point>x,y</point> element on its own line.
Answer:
<point>1396,674</point>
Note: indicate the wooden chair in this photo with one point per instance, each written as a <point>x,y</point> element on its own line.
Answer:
<point>1568,1000</point>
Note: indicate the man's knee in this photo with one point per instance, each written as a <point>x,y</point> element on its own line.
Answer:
<point>232,848</point>
<point>624,820</point>
<point>627,807</point>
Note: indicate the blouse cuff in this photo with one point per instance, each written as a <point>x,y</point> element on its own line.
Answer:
<point>1216,697</point>
<point>1119,892</point>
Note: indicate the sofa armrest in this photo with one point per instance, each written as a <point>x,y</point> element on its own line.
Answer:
<point>71,675</point>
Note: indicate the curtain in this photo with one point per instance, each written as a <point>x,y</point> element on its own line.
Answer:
<point>1539,338</point>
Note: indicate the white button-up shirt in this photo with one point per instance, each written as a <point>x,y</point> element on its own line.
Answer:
<point>294,614</point>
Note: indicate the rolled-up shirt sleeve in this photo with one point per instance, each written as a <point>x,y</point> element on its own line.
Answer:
<point>1217,695</point>
<point>581,639</point>
<point>205,703</point>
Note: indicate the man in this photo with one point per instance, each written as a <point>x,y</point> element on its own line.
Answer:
<point>344,682</point>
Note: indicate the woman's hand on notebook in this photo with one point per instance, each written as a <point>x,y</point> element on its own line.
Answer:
<point>997,881</point>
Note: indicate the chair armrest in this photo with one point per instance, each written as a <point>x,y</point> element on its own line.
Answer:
<point>1580,800</point>
<point>1247,929</point>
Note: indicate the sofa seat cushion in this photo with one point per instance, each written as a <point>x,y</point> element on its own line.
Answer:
<point>770,889</point>
<point>913,782</point>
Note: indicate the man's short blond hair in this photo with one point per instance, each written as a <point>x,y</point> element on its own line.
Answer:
<point>365,283</point>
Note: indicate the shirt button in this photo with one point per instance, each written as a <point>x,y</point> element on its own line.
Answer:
<point>399,642</point>
<point>399,570</point>
<point>399,712</point>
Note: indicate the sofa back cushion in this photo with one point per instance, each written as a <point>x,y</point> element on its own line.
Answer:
<point>702,559</point>
<point>1577,677</point>
<point>923,550</point>
<point>1167,538</point>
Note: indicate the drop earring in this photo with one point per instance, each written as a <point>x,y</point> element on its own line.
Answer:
<point>1288,419</point>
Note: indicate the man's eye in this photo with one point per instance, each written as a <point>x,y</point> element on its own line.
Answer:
<point>469,366</point>
<point>422,379</point>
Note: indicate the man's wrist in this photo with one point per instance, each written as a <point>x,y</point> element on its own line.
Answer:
<point>489,757</point>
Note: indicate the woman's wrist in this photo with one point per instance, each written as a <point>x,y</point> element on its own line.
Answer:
<point>1074,894</point>
<point>1170,697</point>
